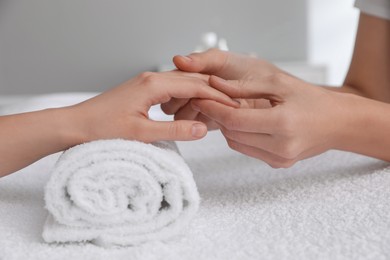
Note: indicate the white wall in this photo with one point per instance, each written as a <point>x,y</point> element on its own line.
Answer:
<point>331,30</point>
<point>91,45</point>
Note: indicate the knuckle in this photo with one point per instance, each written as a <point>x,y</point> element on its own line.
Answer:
<point>280,78</point>
<point>287,163</point>
<point>221,59</point>
<point>146,74</point>
<point>175,130</point>
<point>281,163</point>
<point>149,78</point>
<point>283,81</point>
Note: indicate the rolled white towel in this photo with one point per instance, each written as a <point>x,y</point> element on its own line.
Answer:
<point>117,192</point>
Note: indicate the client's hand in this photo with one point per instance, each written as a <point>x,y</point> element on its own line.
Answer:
<point>123,111</point>
<point>281,120</point>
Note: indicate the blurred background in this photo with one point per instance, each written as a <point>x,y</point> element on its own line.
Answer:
<point>49,46</point>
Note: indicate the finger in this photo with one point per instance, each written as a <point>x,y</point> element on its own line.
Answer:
<point>186,113</point>
<point>276,145</point>
<point>173,105</point>
<point>267,87</point>
<point>163,88</point>
<point>245,120</point>
<point>258,103</point>
<point>224,64</point>
<point>182,130</point>
<point>266,142</point>
<point>204,77</point>
<point>271,159</point>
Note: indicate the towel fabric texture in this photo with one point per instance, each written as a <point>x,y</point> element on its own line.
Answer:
<point>118,192</point>
<point>333,206</point>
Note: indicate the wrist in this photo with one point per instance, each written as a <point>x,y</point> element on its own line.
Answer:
<point>68,126</point>
<point>347,121</point>
<point>363,126</point>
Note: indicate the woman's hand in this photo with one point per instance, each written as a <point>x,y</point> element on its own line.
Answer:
<point>300,121</point>
<point>303,120</point>
<point>223,64</point>
<point>123,111</point>
<point>281,119</point>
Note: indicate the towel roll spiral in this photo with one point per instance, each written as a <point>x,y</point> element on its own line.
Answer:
<point>118,192</point>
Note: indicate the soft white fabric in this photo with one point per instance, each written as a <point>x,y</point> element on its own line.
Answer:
<point>380,8</point>
<point>334,206</point>
<point>118,192</point>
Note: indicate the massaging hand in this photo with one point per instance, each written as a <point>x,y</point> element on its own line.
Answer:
<point>223,64</point>
<point>281,119</point>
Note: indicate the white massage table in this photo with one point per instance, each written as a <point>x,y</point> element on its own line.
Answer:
<point>334,206</point>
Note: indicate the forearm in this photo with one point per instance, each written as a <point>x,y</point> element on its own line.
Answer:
<point>365,127</point>
<point>28,137</point>
<point>368,74</point>
<point>345,89</point>
<point>121,112</point>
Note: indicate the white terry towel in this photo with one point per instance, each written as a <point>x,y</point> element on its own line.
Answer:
<point>117,192</point>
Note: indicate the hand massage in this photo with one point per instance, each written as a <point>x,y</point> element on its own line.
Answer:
<point>119,180</point>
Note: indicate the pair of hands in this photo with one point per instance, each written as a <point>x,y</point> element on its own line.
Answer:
<point>278,118</point>
<point>281,119</point>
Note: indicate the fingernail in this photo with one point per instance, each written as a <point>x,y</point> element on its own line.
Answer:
<point>237,101</point>
<point>198,130</point>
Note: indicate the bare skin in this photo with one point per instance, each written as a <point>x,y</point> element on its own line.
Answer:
<point>282,119</point>
<point>121,112</point>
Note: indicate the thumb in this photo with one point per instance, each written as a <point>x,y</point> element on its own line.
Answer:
<point>180,130</point>
<point>224,64</point>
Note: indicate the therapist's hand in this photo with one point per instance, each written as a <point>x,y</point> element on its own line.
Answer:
<point>123,111</point>
<point>281,120</point>
<point>224,64</point>
<point>303,120</point>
